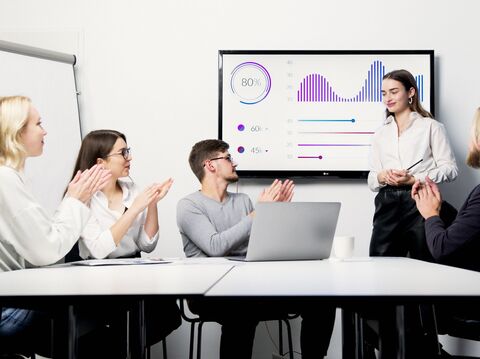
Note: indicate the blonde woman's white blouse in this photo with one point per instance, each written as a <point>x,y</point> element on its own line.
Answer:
<point>27,232</point>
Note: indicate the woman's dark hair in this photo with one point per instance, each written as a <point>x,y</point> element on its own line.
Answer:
<point>96,144</point>
<point>408,81</point>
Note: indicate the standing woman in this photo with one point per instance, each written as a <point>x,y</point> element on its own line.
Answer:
<point>409,135</point>
<point>124,220</point>
<point>27,232</point>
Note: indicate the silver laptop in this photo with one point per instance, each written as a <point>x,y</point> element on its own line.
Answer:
<point>292,231</point>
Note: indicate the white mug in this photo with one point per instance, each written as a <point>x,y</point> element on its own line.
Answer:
<point>343,246</point>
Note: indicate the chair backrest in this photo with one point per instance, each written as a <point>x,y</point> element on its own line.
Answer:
<point>464,328</point>
<point>14,346</point>
<point>454,322</point>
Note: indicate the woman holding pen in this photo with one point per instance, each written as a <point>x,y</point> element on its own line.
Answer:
<point>408,147</point>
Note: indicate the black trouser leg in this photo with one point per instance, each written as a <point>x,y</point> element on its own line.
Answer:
<point>237,339</point>
<point>398,228</point>
<point>385,241</point>
<point>316,331</point>
<point>413,226</point>
<point>162,317</point>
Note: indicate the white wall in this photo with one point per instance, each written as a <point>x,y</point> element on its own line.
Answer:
<point>149,68</point>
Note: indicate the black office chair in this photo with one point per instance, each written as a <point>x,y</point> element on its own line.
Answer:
<point>460,326</point>
<point>194,320</point>
<point>14,349</point>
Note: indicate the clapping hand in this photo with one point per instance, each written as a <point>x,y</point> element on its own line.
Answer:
<point>428,198</point>
<point>85,184</point>
<point>286,191</point>
<point>162,189</point>
<point>151,195</point>
<point>278,192</point>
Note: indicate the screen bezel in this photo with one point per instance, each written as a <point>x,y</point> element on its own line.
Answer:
<point>306,173</point>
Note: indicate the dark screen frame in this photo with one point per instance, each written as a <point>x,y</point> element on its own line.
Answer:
<point>309,173</point>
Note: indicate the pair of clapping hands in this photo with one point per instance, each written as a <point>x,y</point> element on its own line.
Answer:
<point>428,198</point>
<point>86,183</point>
<point>278,192</point>
<point>151,195</point>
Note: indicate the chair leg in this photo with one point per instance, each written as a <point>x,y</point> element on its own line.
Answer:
<point>359,336</point>
<point>164,347</point>
<point>289,335</point>
<point>192,338</point>
<point>429,327</point>
<point>280,338</point>
<point>199,340</point>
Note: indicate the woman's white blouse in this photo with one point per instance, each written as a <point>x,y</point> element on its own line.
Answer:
<point>97,241</point>
<point>27,232</point>
<point>424,138</point>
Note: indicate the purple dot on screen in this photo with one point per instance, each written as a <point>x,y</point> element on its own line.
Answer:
<point>241,127</point>
<point>320,157</point>
<point>241,149</point>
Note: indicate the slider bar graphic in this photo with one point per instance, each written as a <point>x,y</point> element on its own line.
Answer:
<point>340,133</point>
<point>332,145</point>
<point>327,120</point>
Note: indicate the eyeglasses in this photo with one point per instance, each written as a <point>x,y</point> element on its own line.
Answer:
<point>125,152</point>
<point>229,158</point>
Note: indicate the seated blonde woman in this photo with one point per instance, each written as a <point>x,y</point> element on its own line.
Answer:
<point>27,232</point>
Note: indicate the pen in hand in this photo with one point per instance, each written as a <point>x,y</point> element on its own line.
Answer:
<point>416,163</point>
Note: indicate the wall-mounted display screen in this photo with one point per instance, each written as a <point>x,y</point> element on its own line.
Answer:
<point>309,113</point>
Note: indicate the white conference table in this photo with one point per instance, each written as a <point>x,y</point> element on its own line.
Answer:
<point>177,278</point>
<point>69,286</point>
<point>354,278</point>
<point>359,280</point>
<point>353,283</point>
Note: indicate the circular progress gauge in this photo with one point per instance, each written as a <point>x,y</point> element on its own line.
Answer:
<point>251,82</point>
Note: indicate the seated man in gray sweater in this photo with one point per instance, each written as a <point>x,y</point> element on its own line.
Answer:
<point>214,223</point>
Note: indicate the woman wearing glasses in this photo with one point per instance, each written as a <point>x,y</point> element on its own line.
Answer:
<point>124,219</point>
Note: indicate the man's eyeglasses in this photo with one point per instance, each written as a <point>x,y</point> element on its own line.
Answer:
<point>227,157</point>
<point>125,152</point>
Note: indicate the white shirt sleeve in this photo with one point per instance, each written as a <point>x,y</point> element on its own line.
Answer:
<point>96,242</point>
<point>35,235</point>
<point>446,169</point>
<point>143,241</point>
<point>375,167</point>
